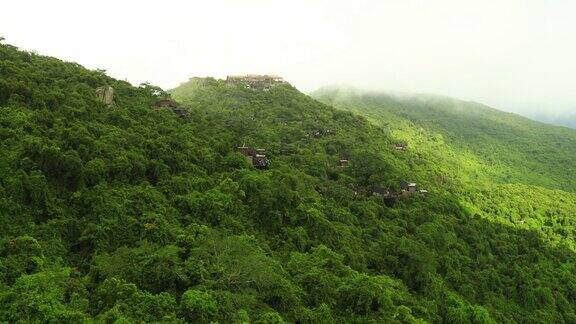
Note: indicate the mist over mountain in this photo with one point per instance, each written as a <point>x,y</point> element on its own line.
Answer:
<point>567,119</point>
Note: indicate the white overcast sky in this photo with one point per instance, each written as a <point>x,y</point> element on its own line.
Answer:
<point>517,55</point>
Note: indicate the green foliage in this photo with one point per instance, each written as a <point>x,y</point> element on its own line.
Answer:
<point>54,295</point>
<point>198,306</point>
<point>21,255</point>
<point>133,214</point>
<point>118,300</point>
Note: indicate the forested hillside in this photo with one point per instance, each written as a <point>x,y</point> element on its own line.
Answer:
<point>133,213</point>
<point>487,150</point>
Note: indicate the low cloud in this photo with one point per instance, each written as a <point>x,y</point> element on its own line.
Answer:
<point>514,55</point>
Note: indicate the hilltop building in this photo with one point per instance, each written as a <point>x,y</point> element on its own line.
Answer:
<point>255,81</point>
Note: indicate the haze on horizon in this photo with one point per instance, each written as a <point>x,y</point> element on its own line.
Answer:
<point>513,55</point>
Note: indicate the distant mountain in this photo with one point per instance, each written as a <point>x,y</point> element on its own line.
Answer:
<point>509,147</point>
<point>567,120</point>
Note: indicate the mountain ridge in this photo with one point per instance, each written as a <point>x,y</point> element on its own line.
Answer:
<point>471,106</point>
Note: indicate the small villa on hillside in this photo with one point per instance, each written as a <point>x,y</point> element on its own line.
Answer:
<point>401,146</point>
<point>168,103</point>
<point>343,162</point>
<point>411,188</point>
<point>256,157</point>
<point>388,195</point>
<point>408,189</point>
<point>377,191</point>
<point>317,133</point>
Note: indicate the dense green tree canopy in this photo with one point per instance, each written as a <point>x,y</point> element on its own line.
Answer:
<point>131,213</point>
